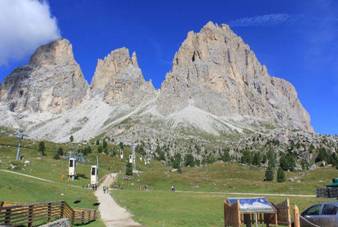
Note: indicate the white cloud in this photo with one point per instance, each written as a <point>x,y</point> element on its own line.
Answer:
<point>262,20</point>
<point>24,25</point>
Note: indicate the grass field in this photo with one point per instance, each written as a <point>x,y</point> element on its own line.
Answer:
<point>199,201</point>
<point>160,208</point>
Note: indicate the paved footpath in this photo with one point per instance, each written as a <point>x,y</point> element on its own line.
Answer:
<point>111,213</point>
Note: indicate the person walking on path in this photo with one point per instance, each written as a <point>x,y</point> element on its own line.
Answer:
<point>111,213</point>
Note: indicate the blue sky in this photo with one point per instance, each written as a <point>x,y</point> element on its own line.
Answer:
<point>297,40</point>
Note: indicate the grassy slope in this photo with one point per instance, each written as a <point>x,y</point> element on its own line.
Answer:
<point>229,177</point>
<point>17,188</point>
<point>199,206</point>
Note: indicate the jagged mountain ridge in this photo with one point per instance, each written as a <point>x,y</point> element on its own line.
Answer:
<point>216,88</point>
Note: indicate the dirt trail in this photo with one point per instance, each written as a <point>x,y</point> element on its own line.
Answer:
<point>111,213</point>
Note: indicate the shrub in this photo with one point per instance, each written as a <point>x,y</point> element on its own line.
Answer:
<point>257,159</point>
<point>59,152</point>
<point>225,157</point>
<point>100,149</point>
<point>189,160</point>
<point>287,162</point>
<point>42,148</point>
<point>323,155</point>
<point>140,149</point>
<point>129,169</point>
<point>246,157</point>
<point>272,158</point>
<point>160,155</point>
<point>176,161</point>
<point>269,175</point>
<point>280,175</point>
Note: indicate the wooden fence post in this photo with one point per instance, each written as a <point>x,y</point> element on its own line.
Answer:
<point>238,214</point>
<point>62,209</point>
<point>296,216</point>
<point>8,217</point>
<point>82,217</point>
<point>73,217</point>
<point>49,211</point>
<point>30,215</point>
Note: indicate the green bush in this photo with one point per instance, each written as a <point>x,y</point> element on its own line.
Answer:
<point>59,152</point>
<point>42,148</point>
<point>269,173</point>
<point>257,159</point>
<point>176,161</point>
<point>189,160</point>
<point>225,156</point>
<point>129,169</point>
<point>280,175</point>
<point>246,157</point>
<point>287,162</point>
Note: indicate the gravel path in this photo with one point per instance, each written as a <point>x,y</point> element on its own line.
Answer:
<point>111,213</point>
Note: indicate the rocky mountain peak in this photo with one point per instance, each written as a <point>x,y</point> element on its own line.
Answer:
<point>58,52</point>
<point>51,82</point>
<point>120,79</point>
<point>216,71</point>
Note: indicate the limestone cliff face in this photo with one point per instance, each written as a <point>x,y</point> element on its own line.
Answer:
<point>52,81</point>
<point>216,71</point>
<point>120,80</point>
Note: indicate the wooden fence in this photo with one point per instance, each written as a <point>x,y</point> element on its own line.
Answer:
<point>283,213</point>
<point>39,213</point>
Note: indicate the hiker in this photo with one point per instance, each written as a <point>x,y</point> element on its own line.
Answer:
<point>104,189</point>
<point>173,189</point>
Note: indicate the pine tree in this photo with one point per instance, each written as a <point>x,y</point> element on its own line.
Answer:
<point>257,159</point>
<point>287,162</point>
<point>99,149</point>
<point>189,160</point>
<point>280,175</point>
<point>58,153</point>
<point>225,157</point>
<point>246,157</point>
<point>105,146</point>
<point>71,138</point>
<point>271,157</point>
<point>269,175</point>
<point>42,148</point>
<point>129,169</point>
<point>176,161</point>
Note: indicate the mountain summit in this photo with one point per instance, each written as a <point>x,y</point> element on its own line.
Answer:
<point>51,82</point>
<point>120,79</point>
<point>215,71</point>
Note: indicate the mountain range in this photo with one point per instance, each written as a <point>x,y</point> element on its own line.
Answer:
<point>216,92</point>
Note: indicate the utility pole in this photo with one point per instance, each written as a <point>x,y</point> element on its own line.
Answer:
<point>134,157</point>
<point>19,137</point>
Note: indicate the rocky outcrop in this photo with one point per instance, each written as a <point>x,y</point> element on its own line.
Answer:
<point>214,70</point>
<point>119,79</point>
<point>51,82</point>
